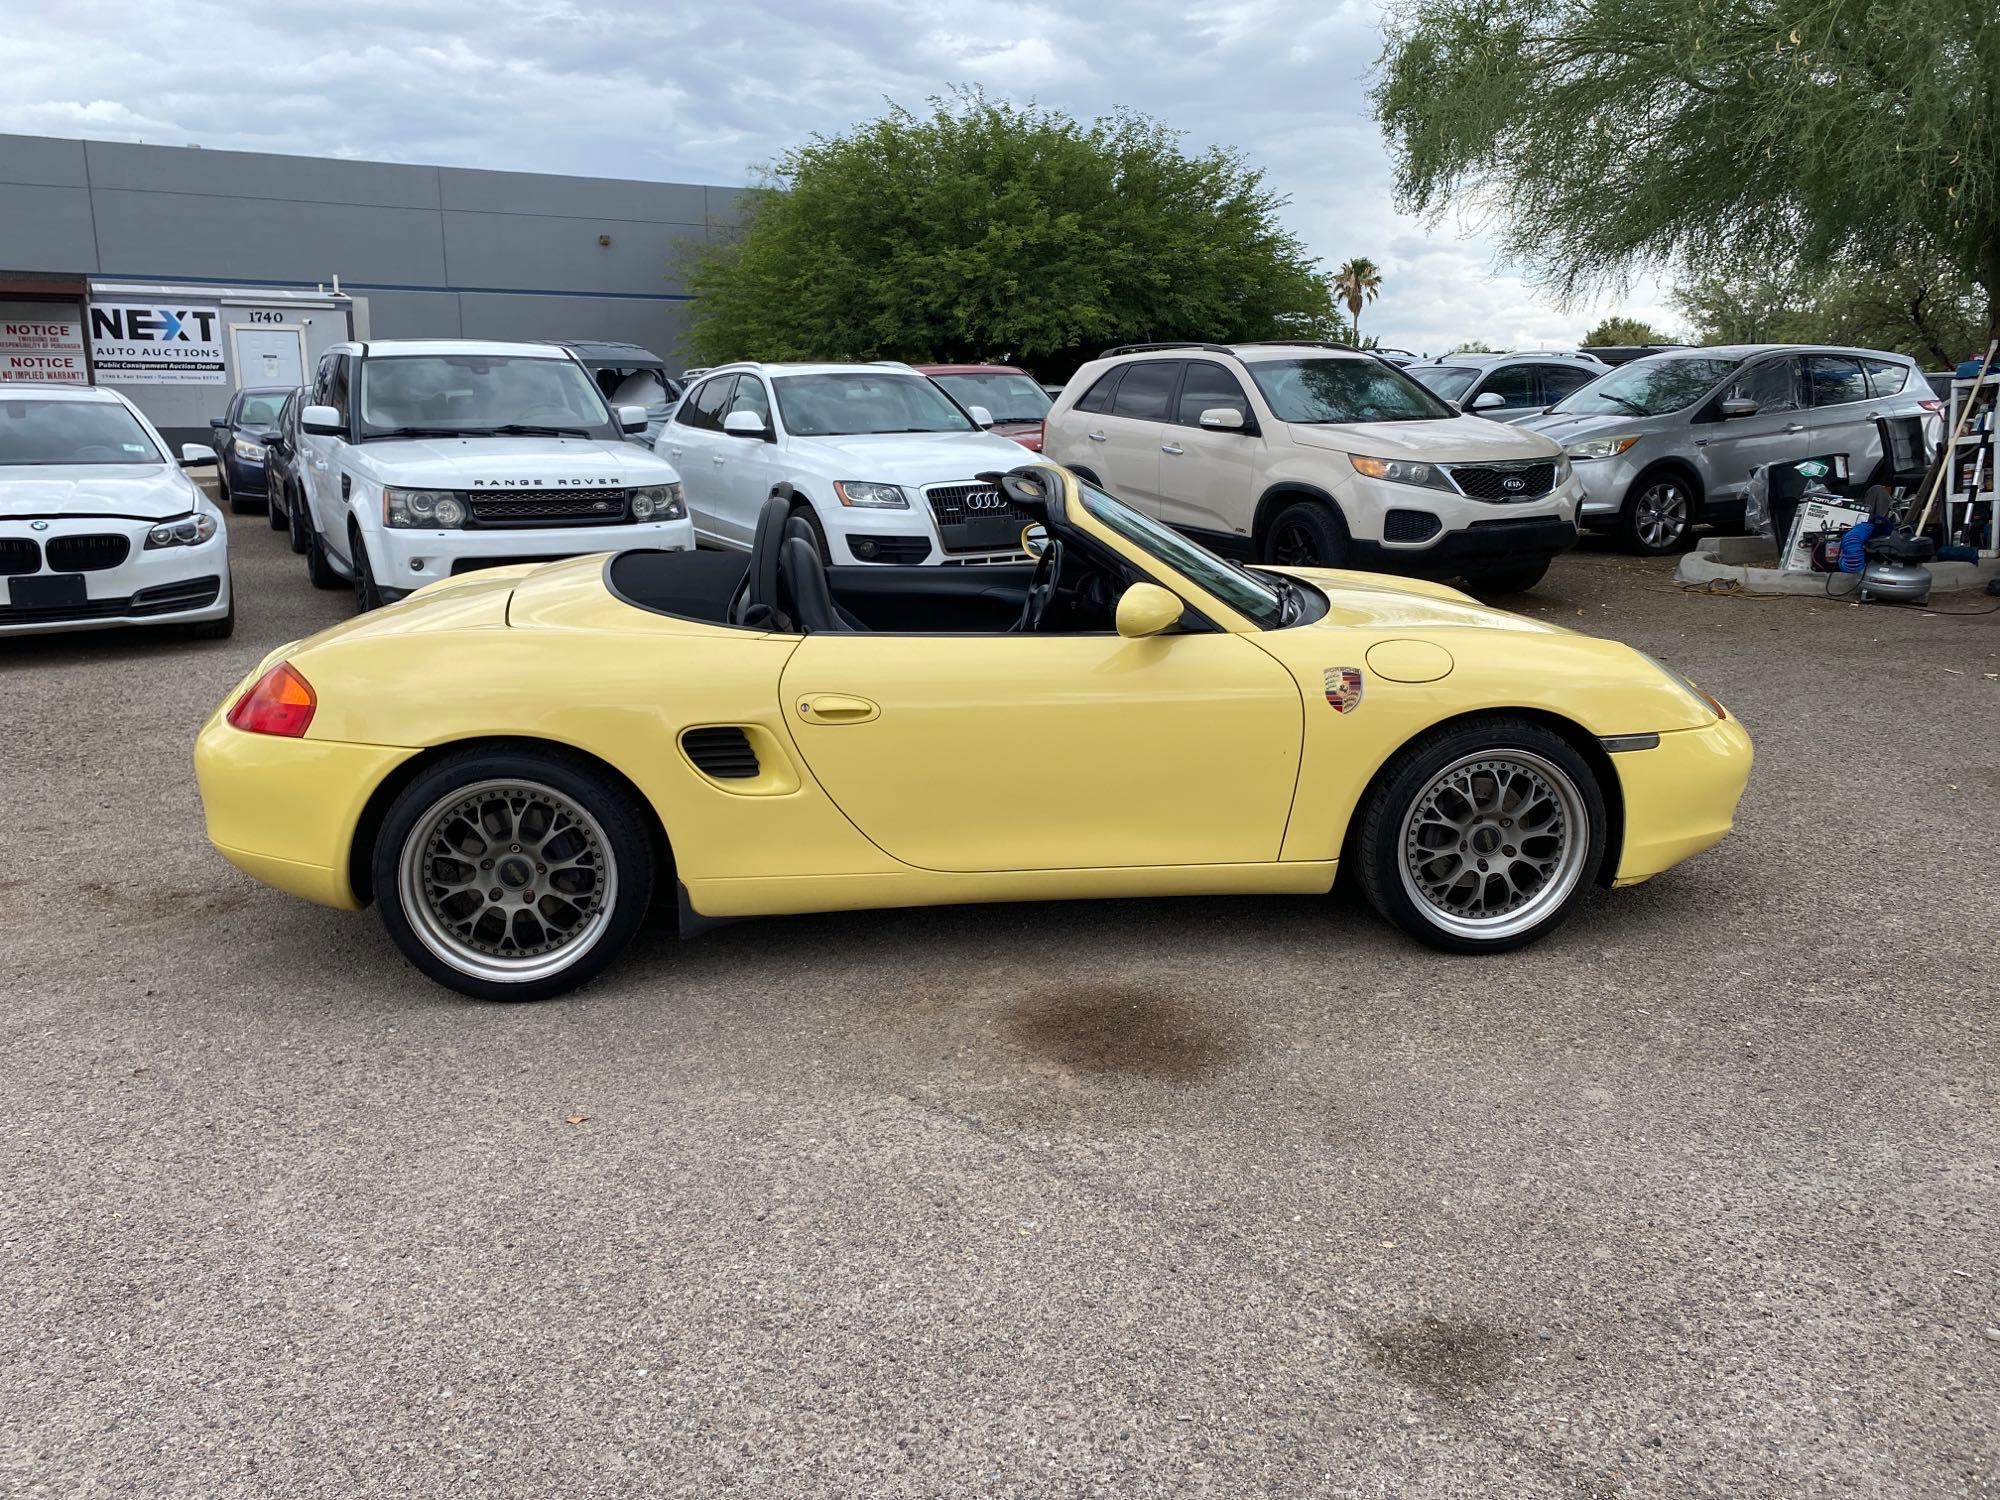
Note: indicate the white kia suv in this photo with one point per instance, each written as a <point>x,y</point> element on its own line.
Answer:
<point>882,463</point>
<point>425,458</point>
<point>98,526</point>
<point>1316,455</point>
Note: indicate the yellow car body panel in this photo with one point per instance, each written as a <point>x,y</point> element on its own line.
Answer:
<point>904,769</point>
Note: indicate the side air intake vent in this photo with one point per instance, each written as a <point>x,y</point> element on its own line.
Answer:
<point>724,753</point>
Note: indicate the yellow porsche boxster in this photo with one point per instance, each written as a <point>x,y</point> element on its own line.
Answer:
<point>511,764</point>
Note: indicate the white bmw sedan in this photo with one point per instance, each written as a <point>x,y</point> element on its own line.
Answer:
<point>98,526</point>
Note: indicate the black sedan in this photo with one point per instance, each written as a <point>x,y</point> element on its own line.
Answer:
<point>241,436</point>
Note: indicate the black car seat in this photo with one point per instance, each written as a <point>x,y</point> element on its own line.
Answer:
<point>806,589</point>
<point>757,605</point>
<point>799,527</point>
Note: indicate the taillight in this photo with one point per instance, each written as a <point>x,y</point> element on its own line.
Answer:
<point>280,702</point>
<point>1931,405</point>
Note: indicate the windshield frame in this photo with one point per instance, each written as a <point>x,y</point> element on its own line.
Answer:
<point>158,454</point>
<point>1440,372</point>
<point>1260,600</point>
<point>1618,407</point>
<point>963,418</point>
<point>970,399</point>
<point>1259,368</point>
<point>607,427</point>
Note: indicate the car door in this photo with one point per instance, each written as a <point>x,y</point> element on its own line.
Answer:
<point>1513,384</point>
<point>1184,749</point>
<point>1126,440</point>
<point>1560,380</point>
<point>752,466</point>
<point>1727,449</point>
<point>320,463</point>
<point>691,443</point>
<point>1208,474</point>
<point>1843,413</point>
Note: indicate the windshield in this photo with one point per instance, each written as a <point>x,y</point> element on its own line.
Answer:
<point>861,401</point>
<point>260,412</point>
<point>475,394</point>
<point>1009,396</point>
<point>73,432</point>
<point>1447,381</point>
<point>1648,387</point>
<point>1344,390</point>
<point>1240,589</point>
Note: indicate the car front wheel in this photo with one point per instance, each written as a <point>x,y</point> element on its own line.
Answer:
<point>1309,534</point>
<point>1658,517</point>
<point>1515,579</point>
<point>512,874</point>
<point>1483,836</point>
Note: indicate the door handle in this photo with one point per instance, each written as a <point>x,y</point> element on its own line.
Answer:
<point>1095,437</point>
<point>1701,442</point>
<point>837,708</point>
<point>1171,449</point>
<point>718,460</point>
<point>1796,427</point>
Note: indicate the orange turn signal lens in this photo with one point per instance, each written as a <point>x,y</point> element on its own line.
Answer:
<point>280,702</point>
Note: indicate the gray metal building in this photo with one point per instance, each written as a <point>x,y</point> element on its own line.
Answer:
<point>89,227</point>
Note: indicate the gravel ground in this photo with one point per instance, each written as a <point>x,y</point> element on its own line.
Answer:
<point>1223,1198</point>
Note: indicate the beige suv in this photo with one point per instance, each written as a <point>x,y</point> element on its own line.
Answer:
<point>1316,455</point>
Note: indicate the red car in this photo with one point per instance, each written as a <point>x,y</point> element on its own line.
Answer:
<point>1016,402</point>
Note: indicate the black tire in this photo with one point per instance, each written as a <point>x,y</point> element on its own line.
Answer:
<point>1517,579</point>
<point>218,630</point>
<point>274,513</point>
<point>1307,534</point>
<point>367,593</point>
<point>1659,514</point>
<point>621,837</point>
<point>1406,812</point>
<point>295,520</point>
<point>319,570</point>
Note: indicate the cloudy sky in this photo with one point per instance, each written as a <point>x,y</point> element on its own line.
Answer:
<point>706,92</point>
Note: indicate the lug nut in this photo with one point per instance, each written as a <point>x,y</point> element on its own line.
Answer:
<point>486,864</point>
<point>496,893</point>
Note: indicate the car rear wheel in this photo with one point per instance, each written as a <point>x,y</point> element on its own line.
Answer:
<point>1658,517</point>
<point>512,874</point>
<point>1309,534</point>
<point>295,521</point>
<point>1483,836</point>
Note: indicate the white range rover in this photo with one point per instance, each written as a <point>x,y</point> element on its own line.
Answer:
<point>881,462</point>
<point>426,458</point>
<point>98,526</point>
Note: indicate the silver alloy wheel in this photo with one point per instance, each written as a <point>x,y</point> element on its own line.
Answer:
<point>1494,843</point>
<point>1660,514</point>
<point>509,881</point>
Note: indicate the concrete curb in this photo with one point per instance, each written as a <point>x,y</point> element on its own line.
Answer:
<point>1747,562</point>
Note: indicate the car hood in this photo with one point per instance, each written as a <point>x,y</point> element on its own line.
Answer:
<point>911,457</point>
<point>1570,427</point>
<point>1378,599</point>
<point>514,462</point>
<point>1449,440</point>
<point>147,492</point>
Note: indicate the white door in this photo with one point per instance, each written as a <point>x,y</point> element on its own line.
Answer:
<point>267,355</point>
<point>1128,438</point>
<point>693,443</point>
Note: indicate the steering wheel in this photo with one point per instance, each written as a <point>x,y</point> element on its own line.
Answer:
<point>1041,588</point>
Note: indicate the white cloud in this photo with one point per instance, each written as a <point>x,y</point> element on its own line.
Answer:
<point>706,93</point>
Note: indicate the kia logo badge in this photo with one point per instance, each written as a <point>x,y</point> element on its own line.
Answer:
<point>1513,484</point>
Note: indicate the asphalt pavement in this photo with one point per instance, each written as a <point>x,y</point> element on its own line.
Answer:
<point>1193,1198</point>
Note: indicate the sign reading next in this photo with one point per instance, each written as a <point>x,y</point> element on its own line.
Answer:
<point>150,343</point>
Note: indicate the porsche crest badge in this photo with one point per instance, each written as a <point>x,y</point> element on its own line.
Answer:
<point>1343,689</point>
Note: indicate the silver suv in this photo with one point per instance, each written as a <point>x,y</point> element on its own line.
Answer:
<point>1507,387</point>
<point>1668,441</point>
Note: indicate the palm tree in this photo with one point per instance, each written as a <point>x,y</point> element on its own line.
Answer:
<point>1355,283</point>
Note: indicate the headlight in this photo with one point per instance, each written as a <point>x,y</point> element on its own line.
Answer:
<point>1401,471</point>
<point>432,509</point>
<point>659,502</point>
<point>247,449</point>
<point>1563,470</point>
<point>870,496</point>
<point>187,531</point>
<point>1604,447</point>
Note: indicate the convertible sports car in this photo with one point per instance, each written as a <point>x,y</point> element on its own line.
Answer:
<point>512,763</point>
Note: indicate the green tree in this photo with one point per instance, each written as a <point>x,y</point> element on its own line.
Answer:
<point>1357,282</point>
<point>1475,346</point>
<point>1624,330</point>
<point>1609,135</point>
<point>984,229</point>
<point>1921,311</point>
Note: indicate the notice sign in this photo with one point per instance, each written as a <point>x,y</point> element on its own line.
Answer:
<point>43,348</point>
<point>151,343</point>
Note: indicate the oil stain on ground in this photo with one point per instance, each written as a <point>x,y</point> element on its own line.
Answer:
<point>1121,1029</point>
<point>1455,1361</point>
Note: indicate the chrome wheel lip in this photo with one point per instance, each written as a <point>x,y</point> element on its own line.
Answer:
<point>1554,890</point>
<point>1660,515</point>
<point>429,926</point>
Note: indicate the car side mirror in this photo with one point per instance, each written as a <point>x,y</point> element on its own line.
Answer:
<point>743,424</point>
<point>1738,407</point>
<point>1035,539</point>
<point>1223,419</point>
<point>1487,401</point>
<point>194,455</point>
<point>980,415</point>
<point>632,418</point>
<point>323,421</point>
<point>1147,609</point>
